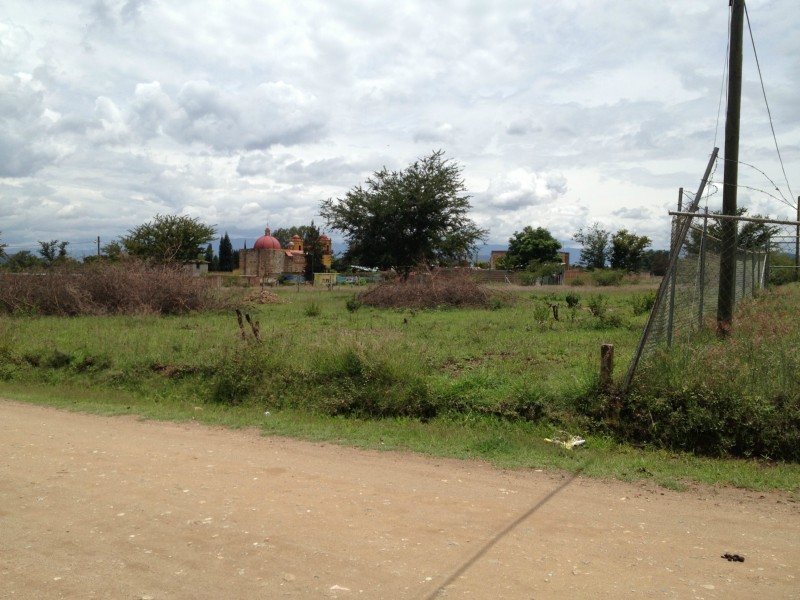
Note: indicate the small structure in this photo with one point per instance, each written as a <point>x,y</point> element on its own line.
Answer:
<point>196,268</point>
<point>267,259</point>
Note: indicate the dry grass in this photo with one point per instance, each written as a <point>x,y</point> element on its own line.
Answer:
<point>130,287</point>
<point>432,291</point>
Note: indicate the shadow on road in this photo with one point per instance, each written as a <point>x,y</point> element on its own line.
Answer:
<point>499,536</point>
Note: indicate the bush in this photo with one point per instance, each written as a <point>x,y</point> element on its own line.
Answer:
<point>353,304</point>
<point>704,421</point>
<point>643,303</point>
<point>572,300</point>
<point>129,287</point>
<point>607,277</point>
<point>355,383</point>
<point>598,305</point>
<point>433,292</point>
<point>312,310</point>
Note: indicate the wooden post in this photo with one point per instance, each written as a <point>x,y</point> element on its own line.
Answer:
<point>728,228</point>
<point>606,365</point>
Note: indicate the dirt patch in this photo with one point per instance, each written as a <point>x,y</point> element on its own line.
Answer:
<point>96,507</point>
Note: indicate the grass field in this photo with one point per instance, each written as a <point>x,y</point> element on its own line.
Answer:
<point>478,383</point>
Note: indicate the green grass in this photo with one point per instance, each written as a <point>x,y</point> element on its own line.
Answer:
<point>504,444</point>
<point>469,383</point>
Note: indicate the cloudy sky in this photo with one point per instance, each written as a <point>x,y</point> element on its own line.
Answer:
<point>248,113</point>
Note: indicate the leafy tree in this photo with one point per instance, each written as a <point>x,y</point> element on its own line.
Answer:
<point>313,250</point>
<point>24,260</point>
<point>3,249</point>
<point>311,246</point>
<point>285,234</point>
<point>656,261</point>
<point>594,242</point>
<point>404,219</point>
<point>627,250</point>
<point>225,254</point>
<point>208,255</point>
<point>782,268</point>
<point>53,251</point>
<point>235,259</point>
<point>168,238</point>
<point>531,246</point>
<point>750,235</point>
<point>111,252</point>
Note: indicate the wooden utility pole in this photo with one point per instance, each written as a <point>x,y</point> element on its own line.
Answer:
<point>727,267</point>
<point>797,245</point>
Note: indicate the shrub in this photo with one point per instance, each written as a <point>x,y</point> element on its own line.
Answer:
<point>643,303</point>
<point>572,300</point>
<point>353,304</point>
<point>598,305</point>
<point>607,277</point>
<point>128,287</point>
<point>312,310</point>
<point>433,292</point>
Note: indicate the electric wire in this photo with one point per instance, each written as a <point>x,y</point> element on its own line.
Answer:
<point>723,87</point>
<point>769,113</point>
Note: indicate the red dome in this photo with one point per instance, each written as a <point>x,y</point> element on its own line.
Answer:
<point>267,242</point>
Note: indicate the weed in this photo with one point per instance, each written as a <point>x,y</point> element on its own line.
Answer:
<point>643,303</point>
<point>353,304</point>
<point>597,304</point>
<point>573,300</point>
<point>312,310</point>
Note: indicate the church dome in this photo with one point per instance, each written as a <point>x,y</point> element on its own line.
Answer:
<point>267,242</point>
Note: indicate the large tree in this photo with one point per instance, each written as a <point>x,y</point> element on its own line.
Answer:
<point>594,242</point>
<point>169,238</point>
<point>53,251</point>
<point>24,260</point>
<point>627,250</point>
<point>749,235</point>
<point>405,219</point>
<point>537,246</point>
<point>225,254</point>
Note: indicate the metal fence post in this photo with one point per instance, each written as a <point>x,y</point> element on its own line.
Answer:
<point>702,278</point>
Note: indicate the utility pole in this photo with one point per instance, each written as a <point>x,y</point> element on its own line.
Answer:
<point>98,246</point>
<point>797,245</point>
<point>727,267</point>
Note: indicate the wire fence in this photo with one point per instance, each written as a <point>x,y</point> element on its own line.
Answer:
<point>688,297</point>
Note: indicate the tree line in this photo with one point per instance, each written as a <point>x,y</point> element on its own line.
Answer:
<point>399,220</point>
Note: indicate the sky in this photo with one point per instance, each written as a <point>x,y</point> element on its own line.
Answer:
<point>246,114</point>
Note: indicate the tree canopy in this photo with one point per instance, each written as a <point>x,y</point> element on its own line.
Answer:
<point>169,238</point>
<point>3,248</point>
<point>594,242</point>
<point>750,234</point>
<point>531,246</point>
<point>225,254</point>
<point>627,250</point>
<point>404,219</point>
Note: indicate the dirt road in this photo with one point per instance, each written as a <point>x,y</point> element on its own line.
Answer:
<point>95,507</point>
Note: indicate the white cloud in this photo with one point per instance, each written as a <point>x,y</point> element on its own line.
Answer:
<point>561,114</point>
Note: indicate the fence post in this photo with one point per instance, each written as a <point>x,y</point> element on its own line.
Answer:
<point>606,365</point>
<point>702,290</point>
<point>673,244</point>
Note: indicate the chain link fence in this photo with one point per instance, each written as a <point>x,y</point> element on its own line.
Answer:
<point>688,297</point>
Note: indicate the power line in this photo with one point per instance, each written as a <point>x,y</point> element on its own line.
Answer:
<point>769,113</point>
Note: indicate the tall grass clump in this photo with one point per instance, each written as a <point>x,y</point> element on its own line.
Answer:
<point>363,381</point>
<point>735,396</point>
<point>127,287</point>
<point>433,291</point>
